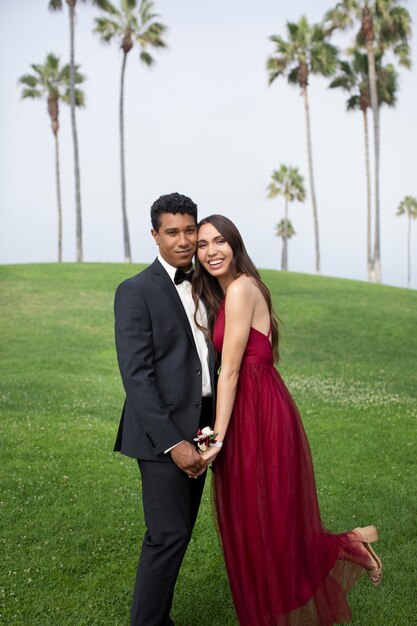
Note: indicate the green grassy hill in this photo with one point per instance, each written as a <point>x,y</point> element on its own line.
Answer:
<point>70,508</point>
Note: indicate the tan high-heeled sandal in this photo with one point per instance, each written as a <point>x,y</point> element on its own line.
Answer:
<point>368,535</point>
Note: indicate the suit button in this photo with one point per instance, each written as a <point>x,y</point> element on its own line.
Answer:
<point>198,404</point>
<point>198,372</point>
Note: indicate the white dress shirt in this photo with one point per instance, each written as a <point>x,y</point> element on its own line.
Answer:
<point>184,292</point>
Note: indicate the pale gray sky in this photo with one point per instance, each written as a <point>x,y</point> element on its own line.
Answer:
<point>205,123</point>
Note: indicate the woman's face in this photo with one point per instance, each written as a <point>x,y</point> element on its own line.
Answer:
<point>213,252</point>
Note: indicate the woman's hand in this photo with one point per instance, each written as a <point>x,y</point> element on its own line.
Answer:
<point>210,454</point>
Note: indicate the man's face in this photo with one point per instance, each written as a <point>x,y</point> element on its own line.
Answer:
<point>176,238</point>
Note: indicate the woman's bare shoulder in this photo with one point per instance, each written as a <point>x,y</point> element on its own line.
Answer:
<point>242,288</point>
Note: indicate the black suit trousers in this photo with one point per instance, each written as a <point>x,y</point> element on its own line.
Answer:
<point>170,503</point>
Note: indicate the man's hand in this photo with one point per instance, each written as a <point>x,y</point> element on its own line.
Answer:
<point>186,457</point>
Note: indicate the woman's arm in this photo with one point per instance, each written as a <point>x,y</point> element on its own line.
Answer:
<point>239,309</point>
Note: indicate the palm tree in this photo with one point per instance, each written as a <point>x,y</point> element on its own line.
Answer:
<point>353,77</point>
<point>408,207</point>
<point>51,81</point>
<point>57,5</point>
<point>384,24</point>
<point>287,182</point>
<point>129,25</point>
<point>305,52</point>
<point>285,230</point>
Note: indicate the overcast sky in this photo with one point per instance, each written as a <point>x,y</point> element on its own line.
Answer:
<point>202,122</point>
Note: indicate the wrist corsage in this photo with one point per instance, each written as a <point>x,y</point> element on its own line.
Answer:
<point>205,438</point>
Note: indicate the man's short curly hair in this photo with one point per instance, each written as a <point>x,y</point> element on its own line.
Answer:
<point>172,203</point>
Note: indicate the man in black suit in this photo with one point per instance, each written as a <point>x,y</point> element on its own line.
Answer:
<point>167,368</point>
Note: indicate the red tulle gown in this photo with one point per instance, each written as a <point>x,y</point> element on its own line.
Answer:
<point>284,567</point>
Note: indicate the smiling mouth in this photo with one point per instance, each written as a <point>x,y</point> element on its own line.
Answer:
<point>185,252</point>
<point>215,262</point>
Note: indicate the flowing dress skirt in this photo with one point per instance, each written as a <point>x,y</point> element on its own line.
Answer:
<point>284,567</point>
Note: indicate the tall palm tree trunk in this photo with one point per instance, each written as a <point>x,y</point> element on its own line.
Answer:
<point>58,196</point>
<point>126,238</point>
<point>368,197</point>
<point>408,252</point>
<point>311,175</point>
<point>285,241</point>
<point>71,6</point>
<point>367,26</point>
<point>375,114</point>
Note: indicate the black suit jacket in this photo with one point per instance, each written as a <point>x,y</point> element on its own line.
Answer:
<point>159,365</point>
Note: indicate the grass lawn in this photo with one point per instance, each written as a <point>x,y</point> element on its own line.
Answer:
<point>70,510</point>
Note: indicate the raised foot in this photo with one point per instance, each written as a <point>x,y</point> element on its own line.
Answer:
<point>367,535</point>
<point>374,573</point>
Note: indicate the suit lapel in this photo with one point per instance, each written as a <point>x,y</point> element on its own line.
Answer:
<point>168,287</point>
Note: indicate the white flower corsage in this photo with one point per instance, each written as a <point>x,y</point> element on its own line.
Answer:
<point>205,437</point>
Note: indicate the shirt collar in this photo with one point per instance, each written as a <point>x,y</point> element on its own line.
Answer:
<point>170,269</point>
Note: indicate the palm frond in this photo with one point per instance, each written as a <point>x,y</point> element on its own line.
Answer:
<point>273,191</point>
<point>108,7</point>
<point>347,79</point>
<point>403,52</point>
<point>155,32</point>
<point>276,66</point>
<point>55,5</point>
<point>38,68</point>
<point>346,68</point>
<point>284,228</point>
<point>146,11</point>
<point>393,22</point>
<point>387,85</point>
<point>323,58</point>
<point>408,206</point>
<point>342,82</point>
<point>292,29</point>
<point>353,103</point>
<point>65,74</point>
<point>107,28</point>
<point>276,62</point>
<point>282,48</point>
<point>146,58</point>
<point>287,181</point>
<point>30,80</point>
<point>52,62</point>
<point>340,17</point>
<point>128,5</point>
<point>79,97</point>
<point>135,24</point>
<point>31,93</point>
<point>293,76</point>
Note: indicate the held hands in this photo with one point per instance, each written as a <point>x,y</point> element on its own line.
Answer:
<point>186,457</point>
<point>206,458</point>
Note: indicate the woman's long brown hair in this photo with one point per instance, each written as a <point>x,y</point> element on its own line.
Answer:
<point>207,288</point>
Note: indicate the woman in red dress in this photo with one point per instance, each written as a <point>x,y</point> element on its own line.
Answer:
<point>284,567</point>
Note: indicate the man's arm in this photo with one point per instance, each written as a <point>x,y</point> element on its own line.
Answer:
<point>134,346</point>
